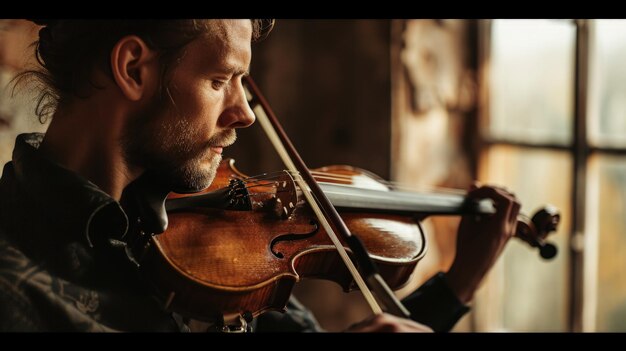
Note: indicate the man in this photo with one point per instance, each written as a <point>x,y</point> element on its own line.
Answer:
<point>131,97</point>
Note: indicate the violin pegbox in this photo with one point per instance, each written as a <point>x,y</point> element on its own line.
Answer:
<point>534,231</point>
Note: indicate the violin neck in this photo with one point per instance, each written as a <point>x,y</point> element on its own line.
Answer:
<point>404,202</point>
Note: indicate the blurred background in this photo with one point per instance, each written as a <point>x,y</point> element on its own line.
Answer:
<point>537,106</point>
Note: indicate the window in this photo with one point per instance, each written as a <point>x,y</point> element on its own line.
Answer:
<point>553,130</point>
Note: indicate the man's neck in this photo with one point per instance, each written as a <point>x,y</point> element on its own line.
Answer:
<point>85,138</point>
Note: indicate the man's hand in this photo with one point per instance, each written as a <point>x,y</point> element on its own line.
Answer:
<point>387,323</point>
<point>481,239</point>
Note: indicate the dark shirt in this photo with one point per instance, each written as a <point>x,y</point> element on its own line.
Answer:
<point>64,265</point>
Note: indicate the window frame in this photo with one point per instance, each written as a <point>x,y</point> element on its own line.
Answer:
<point>581,293</point>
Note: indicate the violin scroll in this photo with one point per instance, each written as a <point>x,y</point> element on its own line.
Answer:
<point>534,231</point>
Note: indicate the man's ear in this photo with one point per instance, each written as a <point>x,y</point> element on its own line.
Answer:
<point>134,67</point>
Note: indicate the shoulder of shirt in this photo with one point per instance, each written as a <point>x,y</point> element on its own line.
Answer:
<point>18,273</point>
<point>17,310</point>
<point>16,268</point>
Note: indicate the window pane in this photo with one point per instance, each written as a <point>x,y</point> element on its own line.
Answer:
<point>533,292</point>
<point>609,207</point>
<point>608,124</point>
<point>531,80</point>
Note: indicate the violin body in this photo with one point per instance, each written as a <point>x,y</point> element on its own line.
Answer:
<point>215,264</point>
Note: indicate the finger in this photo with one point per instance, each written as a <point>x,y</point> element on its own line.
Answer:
<point>515,208</point>
<point>500,197</point>
<point>501,189</point>
<point>502,200</point>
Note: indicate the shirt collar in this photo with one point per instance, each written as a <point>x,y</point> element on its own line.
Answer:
<point>71,201</point>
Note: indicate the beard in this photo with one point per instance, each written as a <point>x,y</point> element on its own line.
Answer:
<point>166,144</point>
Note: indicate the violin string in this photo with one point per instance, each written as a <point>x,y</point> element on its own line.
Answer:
<point>264,193</point>
<point>392,184</point>
<point>273,192</point>
<point>264,184</point>
<point>267,176</point>
<point>264,175</point>
<point>257,180</point>
<point>346,177</point>
<point>349,179</point>
<point>396,188</point>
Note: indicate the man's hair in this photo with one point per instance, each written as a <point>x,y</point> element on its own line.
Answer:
<point>69,50</point>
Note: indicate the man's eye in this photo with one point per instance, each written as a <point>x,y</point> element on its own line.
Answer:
<point>217,84</point>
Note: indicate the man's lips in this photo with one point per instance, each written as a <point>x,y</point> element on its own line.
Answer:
<point>218,143</point>
<point>219,148</point>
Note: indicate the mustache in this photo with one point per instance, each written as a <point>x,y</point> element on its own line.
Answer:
<point>224,138</point>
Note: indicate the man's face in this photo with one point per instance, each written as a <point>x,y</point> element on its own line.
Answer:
<point>181,138</point>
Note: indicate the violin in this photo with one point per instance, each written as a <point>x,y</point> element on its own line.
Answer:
<point>236,249</point>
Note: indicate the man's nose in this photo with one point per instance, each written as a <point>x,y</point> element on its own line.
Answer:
<point>238,114</point>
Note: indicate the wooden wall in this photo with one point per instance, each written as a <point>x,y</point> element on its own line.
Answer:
<point>434,122</point>
<point>328,82</point>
